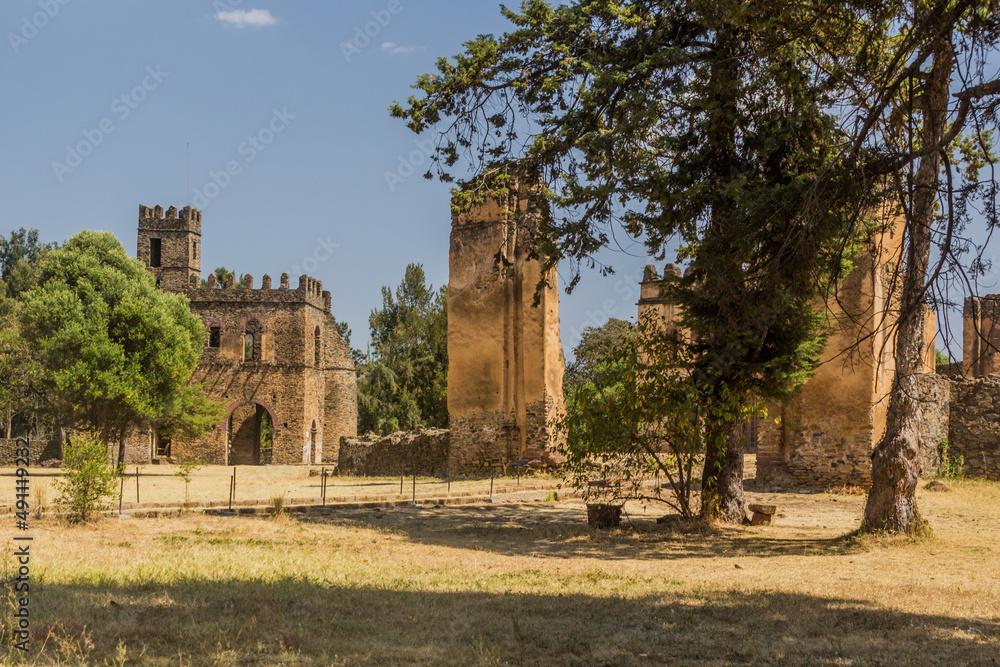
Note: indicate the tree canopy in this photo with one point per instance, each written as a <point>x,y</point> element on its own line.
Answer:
<point>403,383</point>
<point>116,353</point>
<point>709,122</point>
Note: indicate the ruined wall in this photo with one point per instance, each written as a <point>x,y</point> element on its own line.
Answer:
<point>934,401</point>
<point>178,235</point>
<point>981,336</point>
<point>287,379</point>
<point>824,436</point>
<point>270,350</point>
<point>39,451</point>
<point>974,425</point>
<point>423,452</point>
<point>505,360</point>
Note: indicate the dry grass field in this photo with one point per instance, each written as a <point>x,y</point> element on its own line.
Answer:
<point>160,486</point>
<point>520,583</point>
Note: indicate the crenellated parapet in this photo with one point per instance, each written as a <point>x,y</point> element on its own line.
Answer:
<point>187,219</point>
<point>310,291</point>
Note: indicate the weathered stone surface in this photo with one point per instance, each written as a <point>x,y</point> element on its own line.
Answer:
<point>39,450</point>
<point>974,425</point>
<point>934,401</point>
<point>763,509</point>
<point>505,362</point>
<point>423,452</point>
<point>273,351</point>
<point>981,336</point>
<point>824,436</point>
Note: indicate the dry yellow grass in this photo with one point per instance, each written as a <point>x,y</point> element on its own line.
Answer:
<point>523,584</point>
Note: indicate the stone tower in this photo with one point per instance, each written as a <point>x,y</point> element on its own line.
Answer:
<point>505,359</point>
<point>170,245</point>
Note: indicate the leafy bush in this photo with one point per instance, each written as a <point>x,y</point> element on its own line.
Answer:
<point>185,468</point>
<point>639,417</point>
<point>951,467</point>
<point>88,478</point>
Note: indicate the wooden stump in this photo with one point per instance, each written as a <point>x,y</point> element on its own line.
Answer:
<point>604,516</point>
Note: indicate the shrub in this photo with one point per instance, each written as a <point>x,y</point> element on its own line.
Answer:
<point>951,467</point>
<point>88,479</point>
<point>185,468</point>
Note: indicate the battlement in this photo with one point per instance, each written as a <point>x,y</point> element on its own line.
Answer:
<point>310,291</point>
<point>154,217</point>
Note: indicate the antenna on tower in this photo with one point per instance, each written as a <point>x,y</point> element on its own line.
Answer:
<point>189,173</point>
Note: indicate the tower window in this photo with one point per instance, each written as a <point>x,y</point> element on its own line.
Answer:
<point>251,341</point>
<point>195,251</point>
<point>215,336</point>
<point>155,251</point>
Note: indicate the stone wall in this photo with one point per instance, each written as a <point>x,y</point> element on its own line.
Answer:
<point>934,399</point>
<point>505,360</point>
<point>824,436</point>
<point>423,452</point>
<point>40,450</point>
<point>974,425</point>
<point>270,350</point>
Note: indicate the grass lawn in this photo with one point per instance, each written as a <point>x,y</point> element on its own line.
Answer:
<point>520,583</point>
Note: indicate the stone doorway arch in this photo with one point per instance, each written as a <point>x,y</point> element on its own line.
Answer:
<point>243,432</point>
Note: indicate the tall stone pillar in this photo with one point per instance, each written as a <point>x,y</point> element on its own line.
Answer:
<point>505,359</point>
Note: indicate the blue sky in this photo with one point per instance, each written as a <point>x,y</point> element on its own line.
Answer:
<point>290,140</point>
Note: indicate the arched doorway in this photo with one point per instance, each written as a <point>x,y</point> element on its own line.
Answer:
<point>244,426</point>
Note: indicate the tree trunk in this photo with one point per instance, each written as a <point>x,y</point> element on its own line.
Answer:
<point>121,451</point>
<point>896,466</point>
<point>722,480</point>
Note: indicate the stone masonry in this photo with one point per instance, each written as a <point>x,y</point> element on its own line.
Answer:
<point>504,353</point>
<point>272,349</point>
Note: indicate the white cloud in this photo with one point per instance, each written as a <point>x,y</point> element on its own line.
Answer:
<point>392,47</point>
<point>258,18</point>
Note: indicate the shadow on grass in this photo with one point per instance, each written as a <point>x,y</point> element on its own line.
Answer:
<point>561,531</point>
<point>291,620</point>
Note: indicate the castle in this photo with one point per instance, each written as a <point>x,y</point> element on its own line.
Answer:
<point>269,351</point>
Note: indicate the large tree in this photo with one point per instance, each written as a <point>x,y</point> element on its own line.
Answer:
<point>930,113</point>
<point>116,353</point>
<point>403,382</point>
<point>712,122</point>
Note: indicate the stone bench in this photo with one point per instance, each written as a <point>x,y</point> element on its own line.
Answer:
<point>762,514</point>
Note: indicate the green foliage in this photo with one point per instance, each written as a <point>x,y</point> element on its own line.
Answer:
<point>116,352</point>
<point>707,123</point>
<point>596,345</point>
<point>952,467</point>
<point>642,415</point>
<point>941,358</point>
<point>344,331</point>
<point>221,275</point>
<point>402,384</point>
<point>266,432</point>
<point>184,470</point>
<point>20,255</point>
<point>88,480</point>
